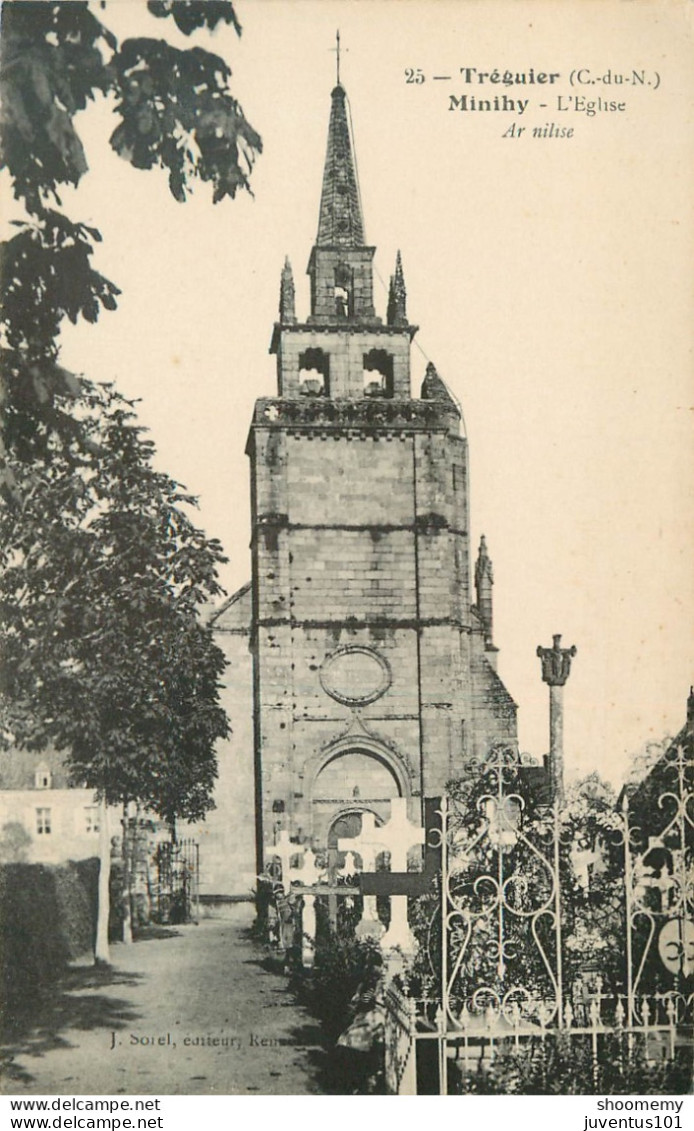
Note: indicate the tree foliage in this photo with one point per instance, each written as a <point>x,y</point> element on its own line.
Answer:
<point>103,574</point>
<point>189,15</point>
<point>504,843</point>
<point>593,907</point>
<point>174,110</point>
<point>102,577</point>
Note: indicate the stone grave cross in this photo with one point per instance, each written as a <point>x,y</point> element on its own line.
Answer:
<point>582,859</point>
<point>398,836</point>
<point>284,850</point>
<point>309,876</point>
<point>368,844</point>
<point>403,885</point>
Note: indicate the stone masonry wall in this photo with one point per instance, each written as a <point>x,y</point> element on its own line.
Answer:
<point>360,546</point>
<point>346,349</point>
<point>359,539</point>
<point>226,836</point>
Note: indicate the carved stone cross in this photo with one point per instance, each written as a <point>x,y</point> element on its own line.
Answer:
<point>582,859</point>
<point>309,873</point>
<point>399,835</point>
<point>283,850</point>
<point>367,845</point>
<point>412,883</point>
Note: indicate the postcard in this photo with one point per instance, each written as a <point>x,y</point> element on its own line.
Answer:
<point>400,291</point>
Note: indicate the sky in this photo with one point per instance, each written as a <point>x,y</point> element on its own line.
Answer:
<point>551,278</point>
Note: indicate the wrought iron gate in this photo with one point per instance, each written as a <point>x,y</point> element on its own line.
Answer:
<point>177,887</point>
<point>514,948</point>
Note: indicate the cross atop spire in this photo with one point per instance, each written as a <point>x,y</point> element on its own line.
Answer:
<point>336,49</point>
<point>340,223</point>
<point>338,54</point>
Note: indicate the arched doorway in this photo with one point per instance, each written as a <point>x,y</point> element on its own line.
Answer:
<point>348,783</point>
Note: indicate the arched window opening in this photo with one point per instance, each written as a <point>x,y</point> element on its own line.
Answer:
<point>314,373</point>
<point>343,291</point>
<point>348,824</point>
<point>378,374</point>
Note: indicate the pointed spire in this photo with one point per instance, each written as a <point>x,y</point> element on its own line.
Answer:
<point>287,309</point>
<point>397,296</point>
<point>434,389</point>
<point>483,566</point>
<point>340,223</point>
<point>484,579</point>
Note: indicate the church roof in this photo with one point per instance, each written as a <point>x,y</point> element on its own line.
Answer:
<point>434,389</point>
<point>340,222</point>
<point>234,615</point>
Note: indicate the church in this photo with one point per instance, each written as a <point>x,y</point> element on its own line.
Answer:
<point>362,663</point>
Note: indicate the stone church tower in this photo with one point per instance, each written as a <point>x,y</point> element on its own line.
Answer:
<point>373,673</point>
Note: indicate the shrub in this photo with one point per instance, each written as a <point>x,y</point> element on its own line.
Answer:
<point>344,970</point>
<point>564,1066</point>
<point>14,843</point>
<point>48,919</point>
<point>76,913</point>
<point>34,949</point>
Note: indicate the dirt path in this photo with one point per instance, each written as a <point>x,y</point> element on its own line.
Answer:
<point>196,1011</point>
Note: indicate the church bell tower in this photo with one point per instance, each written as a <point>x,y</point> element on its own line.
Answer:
<point>374,676</point>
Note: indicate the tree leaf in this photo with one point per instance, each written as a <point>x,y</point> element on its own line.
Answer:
<point>189,15</point>
<point>177,112</point>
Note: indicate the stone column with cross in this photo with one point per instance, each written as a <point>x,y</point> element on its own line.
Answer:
<point>556,666</point>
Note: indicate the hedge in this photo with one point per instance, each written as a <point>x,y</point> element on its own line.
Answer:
<point>48,919</point>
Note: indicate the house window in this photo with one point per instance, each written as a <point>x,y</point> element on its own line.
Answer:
<point>91,818</point>
<point>42,778</point>
<point>43,821</point>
